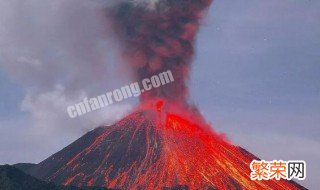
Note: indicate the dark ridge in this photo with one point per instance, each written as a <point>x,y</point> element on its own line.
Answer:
<point>12,178</point>
<point>25,167</point>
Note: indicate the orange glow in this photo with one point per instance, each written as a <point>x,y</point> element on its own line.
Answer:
<point>178,151</point>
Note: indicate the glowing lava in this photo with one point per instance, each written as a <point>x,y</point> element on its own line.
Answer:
<point>139,152</point>
<point>162,145</point>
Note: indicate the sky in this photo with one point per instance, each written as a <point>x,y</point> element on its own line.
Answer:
<point>255,77</point>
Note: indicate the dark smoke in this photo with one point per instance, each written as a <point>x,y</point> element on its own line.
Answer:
<point>159,40</point>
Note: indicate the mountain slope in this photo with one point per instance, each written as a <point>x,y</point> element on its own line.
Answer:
<point>147,150</point>
<point>12,178</point>
<point>25,167</point>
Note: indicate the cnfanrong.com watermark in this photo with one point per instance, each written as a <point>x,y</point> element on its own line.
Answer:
<point>132,90</point>
<point>278,169</point>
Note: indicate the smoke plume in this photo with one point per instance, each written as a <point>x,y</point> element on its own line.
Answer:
<point>62,51</point>
<point>158,36</point>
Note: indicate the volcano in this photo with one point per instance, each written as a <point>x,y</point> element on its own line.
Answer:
<point>165,143</point>
<point>150,149</point>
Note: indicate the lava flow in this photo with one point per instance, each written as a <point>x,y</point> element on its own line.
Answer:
<point>155,148</point>
<point>165,143</point>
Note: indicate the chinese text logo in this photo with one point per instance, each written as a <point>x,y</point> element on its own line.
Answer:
<point>277,169</point>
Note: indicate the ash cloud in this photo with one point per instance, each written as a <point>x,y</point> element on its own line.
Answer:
<point>158,36</point>
<point>63,51</point>
<point>59,51</point>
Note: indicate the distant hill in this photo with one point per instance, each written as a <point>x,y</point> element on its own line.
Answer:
<point>25,167</point>
<point>12,178</point>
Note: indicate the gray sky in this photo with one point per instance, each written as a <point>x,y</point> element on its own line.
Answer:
<point>256,77</point>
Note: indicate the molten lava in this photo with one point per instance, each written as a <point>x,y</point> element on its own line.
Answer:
<point>145,151</point>
<point>164,144</point>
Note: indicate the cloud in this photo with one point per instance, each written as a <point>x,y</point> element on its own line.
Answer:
<point>60,52</point>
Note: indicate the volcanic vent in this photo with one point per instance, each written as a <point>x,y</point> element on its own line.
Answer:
<point>150,149</point>
<point>165,143</point>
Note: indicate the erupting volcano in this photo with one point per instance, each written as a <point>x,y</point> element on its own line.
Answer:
<point>165,143</point>
<point>155,149</point>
